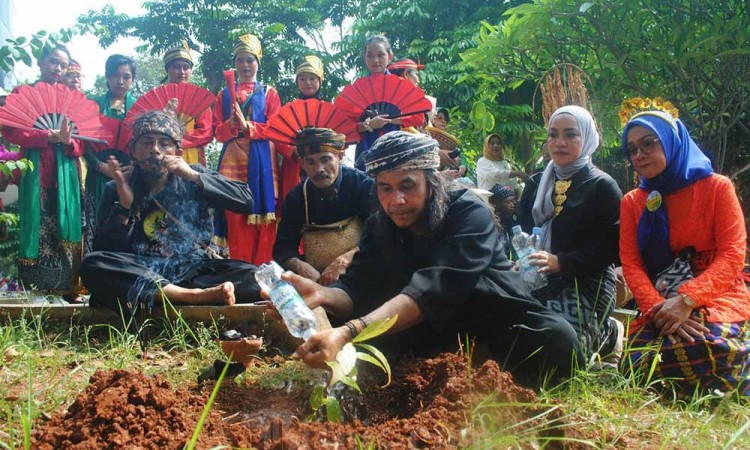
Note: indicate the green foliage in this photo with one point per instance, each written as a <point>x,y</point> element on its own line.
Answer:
<point>437,32</point>
<point>27,49</point>
<point>23,165</point>
<point>694,54</point>
<point>211,28</point>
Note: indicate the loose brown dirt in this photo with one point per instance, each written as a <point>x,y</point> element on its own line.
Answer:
<point>428,405</point>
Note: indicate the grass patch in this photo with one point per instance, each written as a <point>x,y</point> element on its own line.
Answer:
<point>46,364</point>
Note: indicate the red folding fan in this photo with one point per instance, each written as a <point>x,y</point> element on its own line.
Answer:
<point>231,84</point>
<point>382,94</point>
<point>192,100</point>
<point>120,135</point>
<point>300,114</point>
<point>43,106</point>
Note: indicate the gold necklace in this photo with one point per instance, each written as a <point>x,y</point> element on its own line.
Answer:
<point>561,188</point>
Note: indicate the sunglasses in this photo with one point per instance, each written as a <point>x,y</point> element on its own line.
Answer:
<point>645,147</point>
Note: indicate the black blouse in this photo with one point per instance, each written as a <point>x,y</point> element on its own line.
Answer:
<point>586,233</point>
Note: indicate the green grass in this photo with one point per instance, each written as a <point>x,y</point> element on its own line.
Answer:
<point>46,364</point>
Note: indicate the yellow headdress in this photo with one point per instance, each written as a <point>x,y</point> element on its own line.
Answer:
<point>182,51</point>
<point>249,43</point>
<point>657,106</point>
<point>312,65</point>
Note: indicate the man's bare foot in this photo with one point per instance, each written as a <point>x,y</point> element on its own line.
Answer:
<point>222,294</point>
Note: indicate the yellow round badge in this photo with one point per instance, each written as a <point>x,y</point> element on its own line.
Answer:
<point>653,201</point>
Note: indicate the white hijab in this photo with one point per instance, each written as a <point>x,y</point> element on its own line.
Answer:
<point>543,206</point>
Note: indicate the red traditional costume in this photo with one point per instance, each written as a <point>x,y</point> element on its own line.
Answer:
<point>249,237</point>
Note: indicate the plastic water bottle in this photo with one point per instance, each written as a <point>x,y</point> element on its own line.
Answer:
<point>298,317</point>
<point>532,276</point>
<point>519,241</point>
<point>525,245</point>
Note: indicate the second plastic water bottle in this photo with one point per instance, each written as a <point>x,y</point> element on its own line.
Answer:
<point>299,319</point>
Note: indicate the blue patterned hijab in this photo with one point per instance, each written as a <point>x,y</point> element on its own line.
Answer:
<point>686,164</point>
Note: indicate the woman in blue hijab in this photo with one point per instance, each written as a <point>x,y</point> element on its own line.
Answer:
<point>682,245</point>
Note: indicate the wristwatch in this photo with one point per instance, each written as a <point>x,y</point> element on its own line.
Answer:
<point>120,210</point>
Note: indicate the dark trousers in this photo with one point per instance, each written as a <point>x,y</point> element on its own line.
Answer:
<point>123,281</point>
<point>522,335</point>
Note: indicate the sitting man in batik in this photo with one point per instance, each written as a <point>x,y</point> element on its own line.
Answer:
<point>154,229</point>
<point>328,209</point>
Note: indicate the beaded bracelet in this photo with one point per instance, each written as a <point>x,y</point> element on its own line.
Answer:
<point>352,329</point>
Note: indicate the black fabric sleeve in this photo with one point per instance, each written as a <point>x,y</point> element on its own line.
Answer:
<point>365,196</point>
<point>525,206</point>
<point>111,233</point>
<point>365,281</point>
<point>600,247</point>
<point>90,156</point>
<point>221,193</point>
<point>289,233</point>
<point>460,258</point>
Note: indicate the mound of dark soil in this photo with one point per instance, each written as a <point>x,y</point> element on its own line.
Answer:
<point>426,406</point>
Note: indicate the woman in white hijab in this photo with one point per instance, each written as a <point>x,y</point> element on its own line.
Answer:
<point>578,208</point>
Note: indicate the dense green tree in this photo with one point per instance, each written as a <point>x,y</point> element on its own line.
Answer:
<point>27,50</point>
<point>211,28</point>
<point>693,53</point>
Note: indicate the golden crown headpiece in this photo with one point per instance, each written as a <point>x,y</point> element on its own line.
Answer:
<point>657,106</point>
<point>182,51</point>
<point>249,43</point>
<point>312,65</point>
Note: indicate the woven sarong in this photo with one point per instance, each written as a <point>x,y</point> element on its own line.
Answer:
<point>720,361</point>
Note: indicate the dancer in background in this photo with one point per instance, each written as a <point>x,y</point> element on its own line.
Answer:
<point>120,72</point>
<point>248,156</point>
<point>50,247</point>
<point>377,55</point>
<point>178,63</point>
<point>73,77</point>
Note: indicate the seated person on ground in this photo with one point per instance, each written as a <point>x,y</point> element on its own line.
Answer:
<point>503,201</point>
<point>431,255</point>
<point>577,206</point>
<point>695,316</point>
<point>154,228</point>
<point>329,209</point>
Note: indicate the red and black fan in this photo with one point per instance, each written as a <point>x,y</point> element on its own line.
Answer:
<point>43,107</point>
<point>311,113</point>
<point>379,94</point>
<point>192,100</point>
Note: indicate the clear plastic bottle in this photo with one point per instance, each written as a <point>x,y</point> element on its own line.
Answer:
<point>299,319</point>
<point>525,245</point>
<point>519,241</point>
<point>533,278</point>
